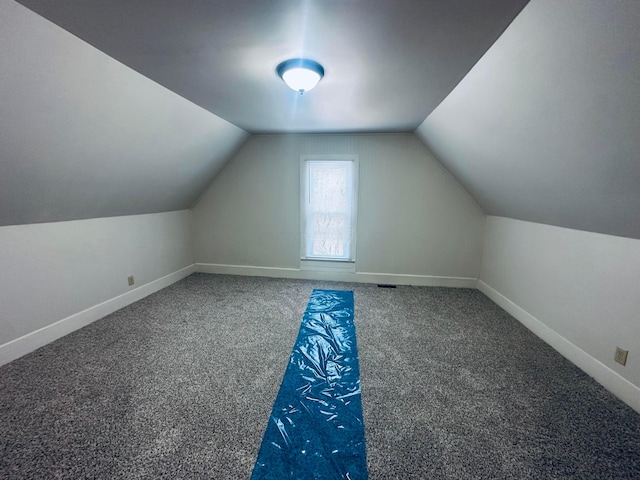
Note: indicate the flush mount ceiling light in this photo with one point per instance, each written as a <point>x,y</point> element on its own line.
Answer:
<point>300,74</point>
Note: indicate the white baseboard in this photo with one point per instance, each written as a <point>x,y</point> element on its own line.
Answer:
<point>338,276</point>
<point>38,338</point>
<point>608,378</point>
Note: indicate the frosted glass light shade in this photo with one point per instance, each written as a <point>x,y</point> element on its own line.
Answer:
<point>300,79</point>
<point>300,74</point>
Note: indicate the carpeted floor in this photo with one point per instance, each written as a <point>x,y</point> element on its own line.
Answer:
<point>181,384</point>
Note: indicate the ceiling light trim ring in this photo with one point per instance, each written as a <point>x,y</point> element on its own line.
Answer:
<point>304,64</point>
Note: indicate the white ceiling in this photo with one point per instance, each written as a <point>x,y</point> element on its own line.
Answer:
<point>546,126</point>
<point>388,63</point>
<point>83,136</point>
<point>541,125</point>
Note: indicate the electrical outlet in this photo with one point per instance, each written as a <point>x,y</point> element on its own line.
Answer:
<point>621,356</point>
<point>131,282</point>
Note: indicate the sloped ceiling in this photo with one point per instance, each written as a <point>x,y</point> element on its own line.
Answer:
<point>546,126</point>
<point>388,63</point>
<point>83,136</point>
<point>543,128</point>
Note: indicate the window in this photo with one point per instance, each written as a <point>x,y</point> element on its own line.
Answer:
<point>329,189</point>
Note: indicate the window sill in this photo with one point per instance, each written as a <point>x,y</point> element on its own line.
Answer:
<point>334,265</point>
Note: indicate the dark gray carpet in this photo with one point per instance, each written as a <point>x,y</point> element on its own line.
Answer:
<point>181,384</point>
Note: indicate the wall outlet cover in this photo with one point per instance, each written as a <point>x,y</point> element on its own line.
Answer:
<point>621,356</point>
<point>130,279</point>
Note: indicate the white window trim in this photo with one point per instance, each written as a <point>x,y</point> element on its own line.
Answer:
<point>333,266</point>
<point>310,262</point>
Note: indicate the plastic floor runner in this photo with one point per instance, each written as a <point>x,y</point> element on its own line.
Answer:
<point>315,430</point>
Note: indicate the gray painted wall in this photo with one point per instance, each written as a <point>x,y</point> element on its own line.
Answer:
<point>51,271</point>
<point>413,217</point>
<point>545,126</point>
<point>83,136</point>
<point>582,285</point>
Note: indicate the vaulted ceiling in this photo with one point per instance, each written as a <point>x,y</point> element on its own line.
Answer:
<point>388,64</point>
<point>126,107</point>
<point>546,127</point>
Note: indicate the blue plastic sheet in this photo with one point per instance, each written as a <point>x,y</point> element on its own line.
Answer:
<point>316,429</point>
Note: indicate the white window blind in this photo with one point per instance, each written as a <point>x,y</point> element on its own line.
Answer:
<point>329,207</point>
